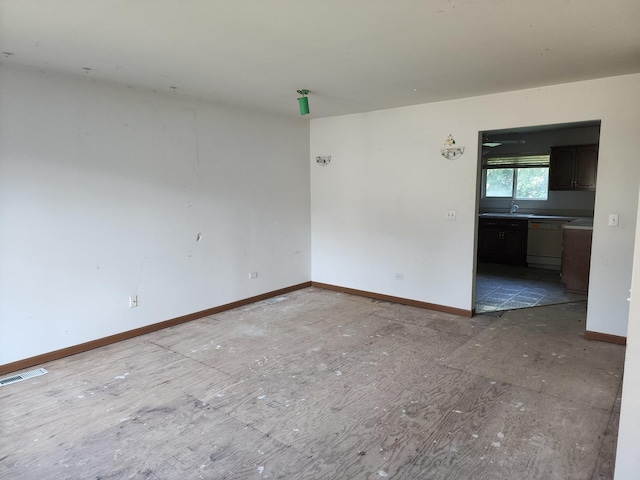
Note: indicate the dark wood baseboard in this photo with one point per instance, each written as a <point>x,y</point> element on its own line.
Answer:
<point>605,337</point>
<point>390,298</point>
<point>101,342</point>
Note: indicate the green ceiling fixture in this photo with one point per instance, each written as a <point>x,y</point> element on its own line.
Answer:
<point>303,101</point>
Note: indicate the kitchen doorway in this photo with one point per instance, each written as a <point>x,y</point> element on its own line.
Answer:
<point>524,206</point>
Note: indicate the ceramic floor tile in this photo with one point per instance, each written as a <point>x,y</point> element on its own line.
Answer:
<point>502,287</point>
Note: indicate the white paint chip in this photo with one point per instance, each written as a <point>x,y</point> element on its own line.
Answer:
<point>338,373</point>
<point>271,301</point>
<point>382,473</point>
<point>500,435</point>
<point>496,444</point>
<point>260,469</point>
<point>261,397</point>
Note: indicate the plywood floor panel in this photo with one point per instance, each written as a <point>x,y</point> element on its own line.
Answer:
<point>322,385</point>
<point>520,434</point>
<point>182,439</point>
<point>545,353</point>
<point>606,459</point>
<point>246,340</point>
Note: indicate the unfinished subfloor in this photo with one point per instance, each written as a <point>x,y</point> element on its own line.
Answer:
<point>322,385</point>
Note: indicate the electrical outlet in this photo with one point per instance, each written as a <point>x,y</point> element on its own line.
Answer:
<point>451,214</point>
<point>613,219</point>
<point>133,301</point>
<point>253,275</point>
<point>399,276</point>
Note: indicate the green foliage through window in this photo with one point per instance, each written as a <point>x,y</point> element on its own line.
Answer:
<point>532,183</point>
<point>499,182</point>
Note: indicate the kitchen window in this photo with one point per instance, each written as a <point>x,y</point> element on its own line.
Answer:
<point>520,177</point>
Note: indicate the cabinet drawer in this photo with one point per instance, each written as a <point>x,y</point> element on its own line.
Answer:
<point>503,224</point>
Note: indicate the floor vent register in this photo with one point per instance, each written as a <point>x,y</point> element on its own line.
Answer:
<point>22,376</point>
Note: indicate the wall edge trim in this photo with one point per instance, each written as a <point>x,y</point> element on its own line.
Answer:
<point>101,342</point>
<point>605,337</point>
<point>391,298</point>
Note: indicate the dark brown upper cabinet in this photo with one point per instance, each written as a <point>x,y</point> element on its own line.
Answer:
<point>573,168</point>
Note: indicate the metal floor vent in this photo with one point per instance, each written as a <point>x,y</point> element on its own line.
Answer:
<point>22,376</point>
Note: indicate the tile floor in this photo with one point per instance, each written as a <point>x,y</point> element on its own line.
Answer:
<point>505,287</point>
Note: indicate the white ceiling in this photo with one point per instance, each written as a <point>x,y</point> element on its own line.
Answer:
<point>353,55</point>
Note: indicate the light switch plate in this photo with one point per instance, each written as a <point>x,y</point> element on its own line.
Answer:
<point>613,219</point>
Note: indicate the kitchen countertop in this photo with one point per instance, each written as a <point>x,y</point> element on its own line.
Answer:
<point>578,223</point>
<point>528,216</point>
<point>583,223</point>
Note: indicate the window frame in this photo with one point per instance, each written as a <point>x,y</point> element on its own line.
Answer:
<point>514,162</point>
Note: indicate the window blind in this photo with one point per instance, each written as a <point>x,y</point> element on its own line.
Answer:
<point>517,162</point>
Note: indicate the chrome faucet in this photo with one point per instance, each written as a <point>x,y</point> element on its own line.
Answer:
<point>514,207</point>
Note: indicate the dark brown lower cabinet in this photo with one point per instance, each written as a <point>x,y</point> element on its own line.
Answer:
<point>576,259</point>
<point>502,241</point>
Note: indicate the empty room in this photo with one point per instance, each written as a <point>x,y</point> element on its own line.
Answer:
<point>331,240</point>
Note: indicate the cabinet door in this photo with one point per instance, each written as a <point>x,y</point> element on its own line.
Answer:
<point>561,165</point>
<point>586,167</point>
<point>514,247</point>
<point>489,244</point>
<point>576,260</point>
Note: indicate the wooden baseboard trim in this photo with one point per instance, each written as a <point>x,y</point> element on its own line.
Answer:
<point>605,337</point>
<point>101,342</point>
<point>390,298</point>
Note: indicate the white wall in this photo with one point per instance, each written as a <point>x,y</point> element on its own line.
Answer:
<point>627,459</point>
<point>379,207</point>
<point>103,190</point>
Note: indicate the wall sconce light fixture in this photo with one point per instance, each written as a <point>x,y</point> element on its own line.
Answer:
<point>303,101</point>
<point>450,151</point>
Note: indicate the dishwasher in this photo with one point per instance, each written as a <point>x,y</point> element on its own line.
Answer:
<point>544,244</point>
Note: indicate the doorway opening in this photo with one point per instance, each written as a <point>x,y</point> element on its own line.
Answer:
<point>536,187</point>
